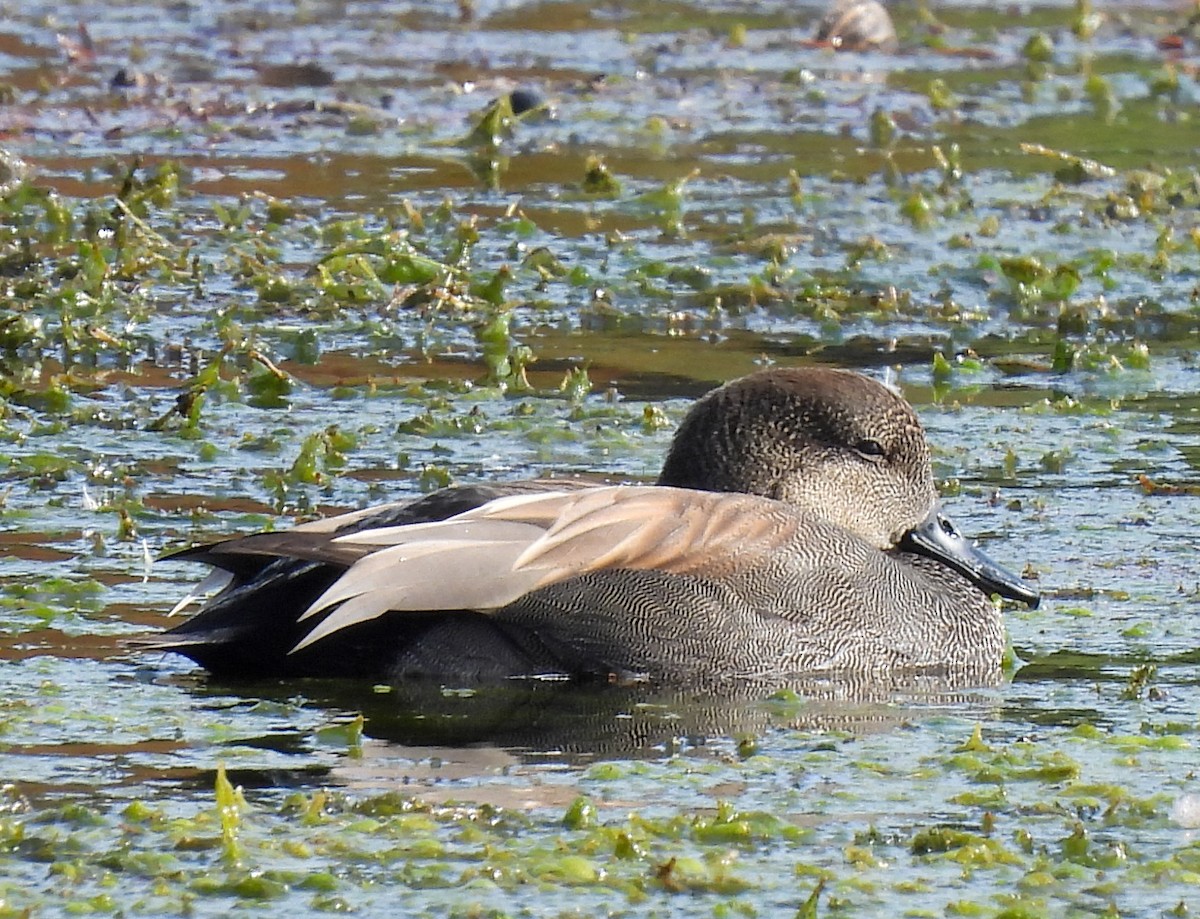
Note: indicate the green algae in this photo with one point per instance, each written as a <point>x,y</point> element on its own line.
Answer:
<point>305,305</point>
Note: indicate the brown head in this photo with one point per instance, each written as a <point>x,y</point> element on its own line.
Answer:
<point>840,445</point>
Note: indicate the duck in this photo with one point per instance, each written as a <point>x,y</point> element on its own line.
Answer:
<point>795,530</point>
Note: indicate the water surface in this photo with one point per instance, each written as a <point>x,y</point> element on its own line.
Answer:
<point>219,189</point>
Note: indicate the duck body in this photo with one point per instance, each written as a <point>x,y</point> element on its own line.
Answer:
<point>794,531</point>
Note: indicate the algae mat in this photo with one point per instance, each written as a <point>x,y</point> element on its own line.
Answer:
<point>261,261</point>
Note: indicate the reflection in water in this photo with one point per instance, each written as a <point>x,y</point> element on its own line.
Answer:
<point>565,722</point>
<point>522,745</point>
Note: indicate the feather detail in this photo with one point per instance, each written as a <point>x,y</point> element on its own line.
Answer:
<point>341,521</point>
<point>424,563</point>
<point>491,556</point>
<point>217,579</point>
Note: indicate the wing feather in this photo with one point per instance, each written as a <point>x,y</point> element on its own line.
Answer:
<point>488,557</point>
<point>444,566</point>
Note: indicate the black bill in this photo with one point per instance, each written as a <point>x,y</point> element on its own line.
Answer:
<point>938,538</point>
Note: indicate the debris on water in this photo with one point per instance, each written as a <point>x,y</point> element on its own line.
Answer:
<point>857,25</point>
<point>1186,811</point>
<point>303,74</point>
<point>525,99</point>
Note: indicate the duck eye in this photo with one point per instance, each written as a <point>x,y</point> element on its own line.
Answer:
<point>869,448</point>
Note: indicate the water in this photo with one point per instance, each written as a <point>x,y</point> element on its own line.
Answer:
<point>1065,435</point>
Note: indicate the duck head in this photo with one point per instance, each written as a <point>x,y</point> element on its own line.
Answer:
<point>840,446</point>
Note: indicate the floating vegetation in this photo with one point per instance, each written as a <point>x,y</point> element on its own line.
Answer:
<point>246,277</point>
<point>1026,843</point>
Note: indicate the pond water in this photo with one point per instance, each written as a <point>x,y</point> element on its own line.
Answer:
<point>270,260</point>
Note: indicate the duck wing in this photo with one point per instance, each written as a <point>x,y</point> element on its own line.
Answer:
<point>246,556</point>
<point>491,556</point>
<point>260,584</point>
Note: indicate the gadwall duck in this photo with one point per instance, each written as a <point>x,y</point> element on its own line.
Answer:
<point>795,529</point>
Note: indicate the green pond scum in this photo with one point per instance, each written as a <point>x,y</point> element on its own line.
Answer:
<point>260,263</point>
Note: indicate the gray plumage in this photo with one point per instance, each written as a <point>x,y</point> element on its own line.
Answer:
<point>794,530</point>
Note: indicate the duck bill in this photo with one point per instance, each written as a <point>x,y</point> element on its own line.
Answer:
<point>938,538</point>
